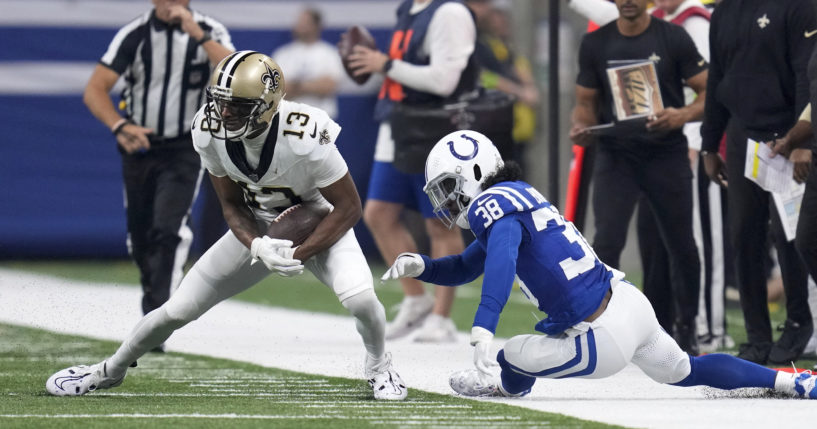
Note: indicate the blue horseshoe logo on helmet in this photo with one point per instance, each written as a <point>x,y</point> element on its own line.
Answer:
<point>472,155</point>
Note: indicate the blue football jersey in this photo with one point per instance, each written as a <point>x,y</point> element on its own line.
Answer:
<point>557,269</point>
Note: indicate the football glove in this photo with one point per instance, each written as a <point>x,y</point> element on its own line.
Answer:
<point>406,265</point>
<point>276,255</point>
<point>481,339</point>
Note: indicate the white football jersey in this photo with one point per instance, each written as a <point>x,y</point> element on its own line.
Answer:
<point>287,164</point>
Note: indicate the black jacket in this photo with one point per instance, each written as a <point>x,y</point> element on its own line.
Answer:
<point>757,75</point>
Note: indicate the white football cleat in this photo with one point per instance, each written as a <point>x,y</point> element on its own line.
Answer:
<point>471,382</point>
<point>436,329</point>
<point>386,384</point>
<point>413,310</point>
<point>79,380</point>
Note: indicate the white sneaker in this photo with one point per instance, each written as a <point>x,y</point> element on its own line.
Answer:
<point>437,329</point>
<point>386,384</point>
<point>413,310</point>
<point>471,382</point>
<point>79,380</point>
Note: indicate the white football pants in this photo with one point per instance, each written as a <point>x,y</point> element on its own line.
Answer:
<point>225,270</point>
<point>626,332</point>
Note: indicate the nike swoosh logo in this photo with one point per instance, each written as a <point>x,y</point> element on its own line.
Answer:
<point>810,33</point>
<point>701,63</point>
<point>314,131</point>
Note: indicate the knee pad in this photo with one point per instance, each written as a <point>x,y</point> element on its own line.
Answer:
<point>365,306</point>
<point>193,297</point>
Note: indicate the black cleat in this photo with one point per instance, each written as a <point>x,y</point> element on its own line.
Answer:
<point>792,343</point>
<point>755,352</point>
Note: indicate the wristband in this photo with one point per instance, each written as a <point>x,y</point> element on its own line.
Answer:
<point>205,38</point>
<point>117,127</point>
<point>387,66</point>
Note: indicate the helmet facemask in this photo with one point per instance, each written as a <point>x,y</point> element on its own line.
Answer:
<point>232,118</point>
<point>447,197</point>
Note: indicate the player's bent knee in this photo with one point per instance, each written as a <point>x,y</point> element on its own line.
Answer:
<point>365,306</point>
<point>181,311</point>
<point>352,283</point>
<point>678,372</point>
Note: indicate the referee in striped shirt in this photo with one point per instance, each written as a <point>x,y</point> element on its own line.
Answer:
<point>165,56</point>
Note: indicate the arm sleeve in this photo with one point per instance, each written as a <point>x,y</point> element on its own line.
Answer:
<point>450,41</point>
<point>715,114</point>
<point>801,21</point>
<point>587,77</point>
<point>455,270</point>
<point>500,269</point>
<point>599,11</point>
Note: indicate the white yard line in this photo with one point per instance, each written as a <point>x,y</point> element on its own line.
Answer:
<point>328,345</point>
<point>173,416</point>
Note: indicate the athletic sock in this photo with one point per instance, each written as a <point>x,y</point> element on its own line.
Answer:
<point>727,372</point>
<point>370,321</point>
<point>154,329</point>
<point>513,382</point>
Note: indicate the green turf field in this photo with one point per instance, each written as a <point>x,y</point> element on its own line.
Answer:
<point>184,391</point>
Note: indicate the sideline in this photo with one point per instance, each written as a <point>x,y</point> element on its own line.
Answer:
<point>329,345</point>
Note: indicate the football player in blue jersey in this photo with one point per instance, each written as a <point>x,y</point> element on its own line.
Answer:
<point>596,322</point>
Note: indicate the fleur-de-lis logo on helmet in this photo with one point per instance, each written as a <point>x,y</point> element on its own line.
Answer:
<point>271,78</point>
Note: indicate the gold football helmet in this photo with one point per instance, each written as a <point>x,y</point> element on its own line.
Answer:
<point>245,90</point>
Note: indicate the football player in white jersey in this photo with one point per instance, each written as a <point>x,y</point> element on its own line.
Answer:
<point>594,323</point>
<point>264,154</point>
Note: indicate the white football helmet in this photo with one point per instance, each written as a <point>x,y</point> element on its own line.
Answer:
<point>245,91</point>
<point>456,167</point>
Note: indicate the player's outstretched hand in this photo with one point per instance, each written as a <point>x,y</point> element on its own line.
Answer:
<point>276,255</point>
<point>406,265</point>
<point>481,339</point>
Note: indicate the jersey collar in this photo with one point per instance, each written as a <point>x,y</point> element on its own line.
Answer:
<point>235,149</point>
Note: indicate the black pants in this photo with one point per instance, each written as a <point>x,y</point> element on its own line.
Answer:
<point>655,259</point>
<point>160,186</point>
<point>750,208</point>
<point>665,179</point>
<point>806,240</point>
<point>655,263</point>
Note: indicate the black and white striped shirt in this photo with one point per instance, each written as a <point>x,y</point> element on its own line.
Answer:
<point>165,71</point>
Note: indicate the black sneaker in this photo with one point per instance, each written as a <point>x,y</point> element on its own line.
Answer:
<point>757,353</point>
<point>686,337</point>
<point>791,344</point>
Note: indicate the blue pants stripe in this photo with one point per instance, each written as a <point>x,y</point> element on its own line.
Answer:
<point>591,364</point>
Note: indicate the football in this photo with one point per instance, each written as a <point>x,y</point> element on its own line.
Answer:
<point>297,222</point>
<point>354,36</point>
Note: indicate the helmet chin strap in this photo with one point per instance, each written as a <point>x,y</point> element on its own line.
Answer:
<point>462,217</point>
<point>462,220</point>
<point>256,128</point>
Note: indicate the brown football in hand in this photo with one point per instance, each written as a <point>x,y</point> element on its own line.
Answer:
<point>297,222</point>
<point>354,36</point>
